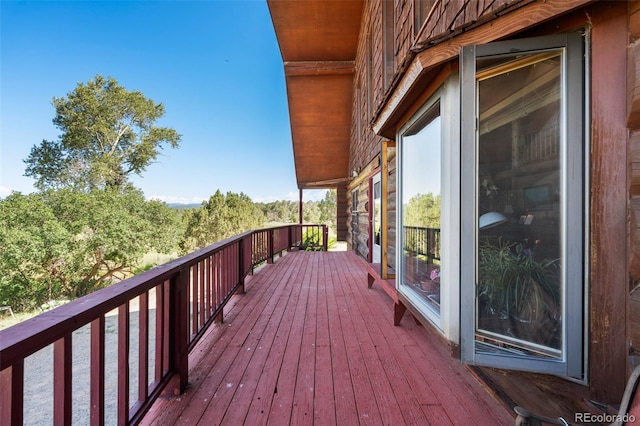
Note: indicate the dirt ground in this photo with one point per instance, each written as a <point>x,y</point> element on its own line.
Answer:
<point>38,387</point>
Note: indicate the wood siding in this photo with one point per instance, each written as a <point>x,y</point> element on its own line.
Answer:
<point>608,276</point>
<point>633,153</point>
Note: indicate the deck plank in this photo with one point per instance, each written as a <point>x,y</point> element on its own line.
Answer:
<point>245,394</point>
<point>344,396</point>
<point>267,381</point>
<point>309,343</point>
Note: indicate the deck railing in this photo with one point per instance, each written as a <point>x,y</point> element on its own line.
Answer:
<point>188,294</point>
<point>422,241</point>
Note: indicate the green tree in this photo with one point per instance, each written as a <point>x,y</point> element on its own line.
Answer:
<point>310,212</point>
<point>113,230</point>
<point>108,134</point>
<point>281,211</point>
<point>220,217</point>
<point>423,210</point>
<point>32,241</point>
<point>66,243</point>
<point>328,210</point>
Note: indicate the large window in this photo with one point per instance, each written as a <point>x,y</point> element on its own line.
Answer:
<point>428,214</point>
<point>421,212</point>
<point>523,204</point>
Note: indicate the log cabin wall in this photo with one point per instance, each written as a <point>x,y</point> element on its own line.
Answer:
<point>371,91</point>
<point>358,228</point>
<point>391,211</point>
<point>458,23</point>
<point>342,213</point>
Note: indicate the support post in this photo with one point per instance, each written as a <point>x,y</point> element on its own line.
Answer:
<point>12,393</point>
<point>178,330</point>
<point>300,209</point>
<point>62,381</point>
<point>241,265</point>
<point>325,237</point>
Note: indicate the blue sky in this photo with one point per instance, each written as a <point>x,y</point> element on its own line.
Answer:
<point>215,65</point>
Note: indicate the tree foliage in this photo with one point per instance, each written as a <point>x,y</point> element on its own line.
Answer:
<point>328,210</point>
<point>31,243</point>
<point>281,211</point>
<point>423,210</point>
<point>65,243</point>
<point>108,134</point>
<point>319,212</point>
<point>220,217</point>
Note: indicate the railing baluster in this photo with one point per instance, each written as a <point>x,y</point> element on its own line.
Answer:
<point>123,364</point>
<point>97,371</point>
<point>215,283</point>
<point>166,324</point>
<point>12,393</point>
<point>143,348</point>
<point>159,351</point>
<point>193,286</point>
<point>211,288</point>
<point>203,296</point>
<point>62,380</point>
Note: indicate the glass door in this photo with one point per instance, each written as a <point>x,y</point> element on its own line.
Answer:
<point>522,173</point>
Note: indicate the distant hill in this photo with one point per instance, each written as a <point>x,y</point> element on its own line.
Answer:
<point>180,206</point>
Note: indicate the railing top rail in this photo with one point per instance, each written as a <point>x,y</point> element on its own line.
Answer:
<point>27,337</point>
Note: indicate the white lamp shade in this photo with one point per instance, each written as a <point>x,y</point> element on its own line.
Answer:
<point>491,219</point>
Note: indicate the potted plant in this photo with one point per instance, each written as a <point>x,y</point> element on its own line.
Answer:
<point>523,292</point>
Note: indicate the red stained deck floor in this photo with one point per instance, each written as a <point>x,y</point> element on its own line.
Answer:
<point>309,343</point>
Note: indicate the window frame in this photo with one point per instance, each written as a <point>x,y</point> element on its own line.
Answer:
<point>574,183</point>
<point>448,97</point>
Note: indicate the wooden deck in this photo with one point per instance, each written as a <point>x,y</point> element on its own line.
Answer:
<point>309,343</point>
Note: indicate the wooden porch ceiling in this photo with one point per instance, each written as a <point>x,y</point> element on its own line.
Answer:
<point>318,41</point>
<point>310,343</point>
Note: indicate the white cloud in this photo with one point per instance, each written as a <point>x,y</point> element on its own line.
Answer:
<point>307,195</point>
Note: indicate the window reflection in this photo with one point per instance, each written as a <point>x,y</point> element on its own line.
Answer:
<point>518,202</point>
<point>421,194</point>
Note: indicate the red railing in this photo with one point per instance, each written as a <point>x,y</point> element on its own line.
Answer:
<point>187,295</point>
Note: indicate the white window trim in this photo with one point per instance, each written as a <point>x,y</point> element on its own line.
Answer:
<point>448,320</point>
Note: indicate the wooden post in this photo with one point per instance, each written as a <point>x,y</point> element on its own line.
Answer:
<point>241,265</point>
<point>97,371</point>
<point>325,237</point>
<point>123,364</point>
<point>608,347</point>
<point>62,381</point>
<point>12,393</point>
<point>300,209</point>
<point>178,330</point>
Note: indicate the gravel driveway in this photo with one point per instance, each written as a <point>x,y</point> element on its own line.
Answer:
<point>38,386</point>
